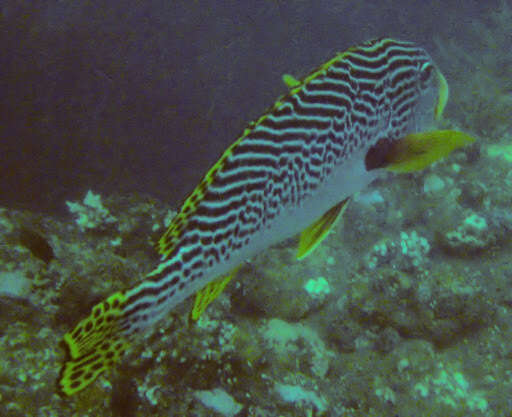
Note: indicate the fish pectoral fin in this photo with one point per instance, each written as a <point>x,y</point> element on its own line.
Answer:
<point>290,81</point>
<point>419,150</point>
<point>93,346</point>
<point>209,293</point>
<point>311,237</point>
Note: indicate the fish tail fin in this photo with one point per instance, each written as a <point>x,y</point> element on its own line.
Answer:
<point>94,345</point>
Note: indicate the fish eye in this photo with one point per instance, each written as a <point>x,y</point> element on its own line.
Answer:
<point>426,71</point>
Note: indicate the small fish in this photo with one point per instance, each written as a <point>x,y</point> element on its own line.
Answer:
<point>36,243</point>
<point>365,111</point>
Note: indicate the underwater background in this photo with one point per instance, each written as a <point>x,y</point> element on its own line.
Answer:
<point>111,112</point>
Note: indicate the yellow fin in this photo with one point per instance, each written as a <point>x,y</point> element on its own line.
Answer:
<point>418,150</point>
<point>444,92</point>
<point>311,237</point>
<point>94,345</point>
<point>209,293</point>
<point>290,81</point>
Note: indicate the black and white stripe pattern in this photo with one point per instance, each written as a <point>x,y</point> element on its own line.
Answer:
<point>348,104</point>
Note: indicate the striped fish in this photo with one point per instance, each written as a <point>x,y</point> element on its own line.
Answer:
<point>292,170</point>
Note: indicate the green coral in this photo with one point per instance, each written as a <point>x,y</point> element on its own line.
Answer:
<point>92,214</point>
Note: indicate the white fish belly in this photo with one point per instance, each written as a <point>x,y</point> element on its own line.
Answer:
<point>343,182</point>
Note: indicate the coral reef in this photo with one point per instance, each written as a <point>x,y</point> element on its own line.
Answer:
<point>92,214</point>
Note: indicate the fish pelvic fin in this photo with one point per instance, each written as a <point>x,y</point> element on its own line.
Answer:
<point>315,233</point>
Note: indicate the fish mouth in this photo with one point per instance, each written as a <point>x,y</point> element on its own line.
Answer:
<point>442,97</point>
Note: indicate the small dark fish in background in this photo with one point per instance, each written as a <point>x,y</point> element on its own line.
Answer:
<point>37,244</point>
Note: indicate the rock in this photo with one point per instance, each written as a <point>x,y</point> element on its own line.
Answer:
<point>433,184</point>
<point>471,236</point>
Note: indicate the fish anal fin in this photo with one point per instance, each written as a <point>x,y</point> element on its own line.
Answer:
<point>210,292</point>
<point>311,237</point>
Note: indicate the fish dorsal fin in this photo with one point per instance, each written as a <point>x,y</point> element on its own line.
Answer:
<point>290,81</point>
<point>209,293</point>
<point>311,237</point>
<point>167,243</point>
<point>416,151</point>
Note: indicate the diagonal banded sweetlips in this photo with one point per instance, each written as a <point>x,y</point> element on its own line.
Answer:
<point>367,110</point>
